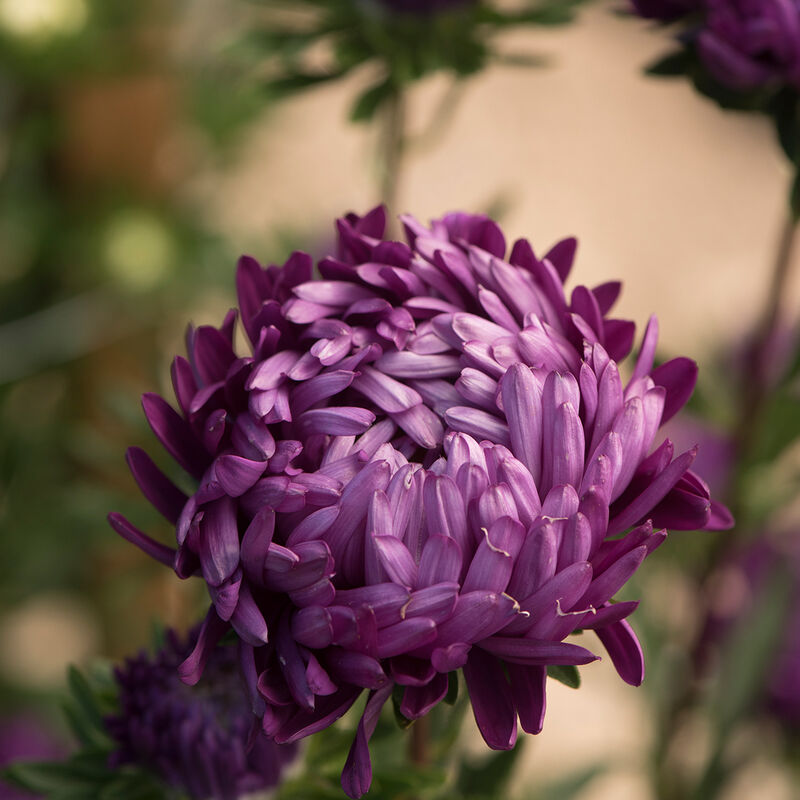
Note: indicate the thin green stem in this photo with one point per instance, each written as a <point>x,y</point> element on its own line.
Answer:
<point>392,150</point>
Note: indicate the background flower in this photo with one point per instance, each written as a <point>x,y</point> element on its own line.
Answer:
<point>198,739</point>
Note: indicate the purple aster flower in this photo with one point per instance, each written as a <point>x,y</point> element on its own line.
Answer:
<point>428,462</point>
<point>746,44</point>
<point>665,10</point>
<point>202,739</point>
<point>740,585</point>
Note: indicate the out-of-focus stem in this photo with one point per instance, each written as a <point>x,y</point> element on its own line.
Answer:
<point>419,743</point>
<point>756,389</point>
<point>392,150</point>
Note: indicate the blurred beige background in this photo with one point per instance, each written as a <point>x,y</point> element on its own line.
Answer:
<point>681,200</point>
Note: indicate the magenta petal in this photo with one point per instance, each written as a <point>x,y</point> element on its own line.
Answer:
<point>167,498</point>
<point>413,365</point>
<point>477,423</point>
<point>419,700</point>
<point>219,541</point>
<point>358,669</point>
<point>396,560</point>
<point>387,393</point>
<point>452,657</point>
<point>247,620</point>
<point>608,614</point>
<point>491,699</point>
<point>175,434</point>
<point>521,397</point>
<point>405,636</point>
<point>226,595</point>
<point>211,631</point>
<point>653,494</point>
<point>528,690</point>
<point>312,627</point>
<point>440,561</point>
<point>357,772</point>
<point>626,653</point>
<point>160,552</point>
<point>490,568</point>
<point>444,508</point>
<point>326,711</point>
<point>537,652</point>
<point>609,582</point>
<point>236,474</point>
<point>678,377</point>
<point>435,602</point>
<point>337,421</point>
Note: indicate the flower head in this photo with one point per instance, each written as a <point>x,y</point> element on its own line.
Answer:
<point>199,739</point>
<point>750,43</point>
<point>419,469</point>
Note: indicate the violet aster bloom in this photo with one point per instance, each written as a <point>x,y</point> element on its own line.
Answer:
<point>418,470</point>
<point>746,44</point>
<point>200,739</point>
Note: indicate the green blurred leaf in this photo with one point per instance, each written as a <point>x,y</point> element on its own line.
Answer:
<point>749,652</point>
<point>369,101</point>
<point>452,688</point>
<point>566,674</point>
<point>571,786</point>
<point>673,64</point>
<point>489,777</point>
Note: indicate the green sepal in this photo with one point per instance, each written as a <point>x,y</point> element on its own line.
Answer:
<point>452,688</point>
<point>678,62</point>
<point>397,699</point>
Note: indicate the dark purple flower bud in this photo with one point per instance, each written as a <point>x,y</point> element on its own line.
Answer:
<point>746,44</point>
<point>204,740</point>
<point>429,461</point>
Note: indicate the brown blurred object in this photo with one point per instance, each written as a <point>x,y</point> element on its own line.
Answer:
<point>116,129</point>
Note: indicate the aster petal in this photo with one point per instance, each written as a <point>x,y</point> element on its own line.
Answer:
<point>419,700</point>
<point>537,652</point>
<point>626,653</point>
<point>521,393</point>
<point>247,620</point>
<point>219,541</point>
<point>211,631</point>
<point>440,561</point>
<point>396,560</point>
<point>175,434</point>
<point>167,498</point>
<point>611,580</point>
<point>357,772</point>
<point>492,701</point>
<point>678,377</point>
<point>154,549</point>
<point>355,668</point>
<point>653,494</point>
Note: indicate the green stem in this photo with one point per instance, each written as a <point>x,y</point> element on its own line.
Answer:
<point>392,150</point>
<point>419,742</point>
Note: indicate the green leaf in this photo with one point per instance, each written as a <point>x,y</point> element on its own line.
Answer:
<point>47,778</point>
<point>490,776</point>
<point>565,673</point>
<point>452,688</point>
<point>84,697</point>
<point>397,699</point>
<point>749,652</point>
<point>369,101</point>
<point>675,63</point>
<point>571,786</point>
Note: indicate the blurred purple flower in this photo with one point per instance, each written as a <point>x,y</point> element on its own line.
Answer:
<point>419,469</point>
<point>665,10</point>
<point>203,740</point>
<point>738,587</point>
<point>746,44</point>
<point>24,738</point>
